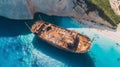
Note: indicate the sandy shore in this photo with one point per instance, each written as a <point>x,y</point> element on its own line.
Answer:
<point>102,29</point>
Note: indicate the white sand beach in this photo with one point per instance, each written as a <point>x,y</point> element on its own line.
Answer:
<point>102,29</point>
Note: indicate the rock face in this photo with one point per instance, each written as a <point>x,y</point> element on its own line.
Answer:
<point>115,5</point>
<point>25,9</point>
<point>14,9</point>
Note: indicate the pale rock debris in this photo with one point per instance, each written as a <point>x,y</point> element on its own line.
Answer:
<point>115,5</point>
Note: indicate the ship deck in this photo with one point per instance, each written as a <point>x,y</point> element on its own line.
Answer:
<point>62,38</point>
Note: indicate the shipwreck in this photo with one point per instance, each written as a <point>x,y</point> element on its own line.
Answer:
<point>61,38</point>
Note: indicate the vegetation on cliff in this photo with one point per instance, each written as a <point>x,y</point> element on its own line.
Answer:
<point>105,10</point>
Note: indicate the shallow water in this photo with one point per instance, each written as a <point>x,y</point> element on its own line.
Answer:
<point>20,48</point>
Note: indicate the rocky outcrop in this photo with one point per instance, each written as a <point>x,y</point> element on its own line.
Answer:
<point>25,9</point>
<point>115,5</point>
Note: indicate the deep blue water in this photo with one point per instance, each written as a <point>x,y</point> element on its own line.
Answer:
<point>20,48</point>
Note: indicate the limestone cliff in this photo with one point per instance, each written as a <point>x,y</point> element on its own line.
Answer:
<point>25,9</point>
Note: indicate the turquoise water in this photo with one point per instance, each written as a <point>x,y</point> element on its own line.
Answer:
<point>20,48</point>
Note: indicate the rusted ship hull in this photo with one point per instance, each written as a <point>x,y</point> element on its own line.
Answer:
<point>62,38</point>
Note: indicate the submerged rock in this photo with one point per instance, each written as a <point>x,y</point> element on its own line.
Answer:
<point>25,9</point>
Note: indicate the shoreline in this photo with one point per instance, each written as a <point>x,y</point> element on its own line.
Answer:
<point>102,29</point>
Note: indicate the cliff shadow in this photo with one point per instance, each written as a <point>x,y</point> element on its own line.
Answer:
<point>10,27</point>
<point>67,22</point>
<point>64,22</point>
<point>69,59</point>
